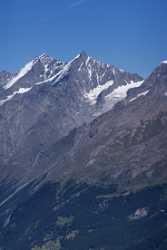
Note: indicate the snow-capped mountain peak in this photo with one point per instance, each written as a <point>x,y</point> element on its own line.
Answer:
<point>88,82</point>
<point>164,62</point>
<point>39,69</point>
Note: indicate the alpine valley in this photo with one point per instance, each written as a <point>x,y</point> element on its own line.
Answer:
<point>83,157</point>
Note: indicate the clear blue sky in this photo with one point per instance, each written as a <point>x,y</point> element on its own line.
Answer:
<point>131,34</point>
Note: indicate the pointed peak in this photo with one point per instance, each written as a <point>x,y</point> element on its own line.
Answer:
<point>43,55</point>
<point>80,57</point>
<point>44,58</point>
<point>83,54</point>
<point>164,62</point>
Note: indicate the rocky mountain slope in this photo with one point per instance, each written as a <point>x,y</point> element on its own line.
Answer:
<point>51,103</point>
<point>83,157</point>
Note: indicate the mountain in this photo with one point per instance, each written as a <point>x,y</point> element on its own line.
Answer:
<point>83,157</point>
<point>125,146</point>
<point>53,105</point>
<point>39,69</point>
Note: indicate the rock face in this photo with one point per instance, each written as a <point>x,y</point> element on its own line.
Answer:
<point>5,77</point>
<point>79,140</point>
<point>127,145</point>
<point>50,98</point>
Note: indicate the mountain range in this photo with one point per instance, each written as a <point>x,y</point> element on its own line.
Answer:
<point>83,157</point>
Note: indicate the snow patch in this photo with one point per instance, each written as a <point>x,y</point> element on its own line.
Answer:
<point>122,70</point>
<point>89,67</point>
<point>46,81</point>
<point>93,93</point>
<point>164,62</point>
<point>139,214</point>
<point>120,93</point>
<point>87,60</point>
<point>89,71</point>
<point>76,57</point>
<point>62,73</point>
<point>117,95</point>
<point>165,94</point>
<point>21,74</point>
<point>23,90</point>
<point>114,71</point>
<point>139,95</point>
<point>80,67</point>
<point>46,68</point>
<point>20,91</point>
